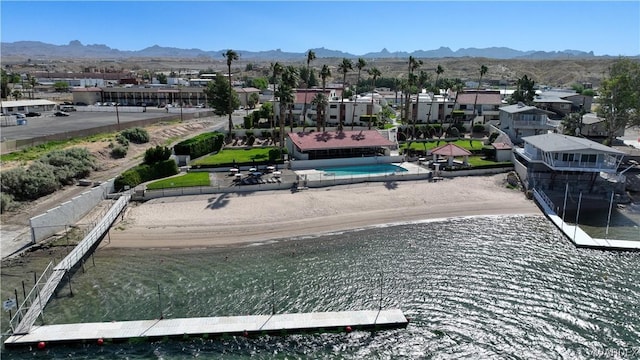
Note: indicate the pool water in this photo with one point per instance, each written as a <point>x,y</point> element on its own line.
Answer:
<point>363,170</point>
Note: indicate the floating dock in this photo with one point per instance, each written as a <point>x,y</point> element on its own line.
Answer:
<point>277,324</point>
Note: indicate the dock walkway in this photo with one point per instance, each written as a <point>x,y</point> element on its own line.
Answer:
<point>278,324</point>
<point>34,304</point>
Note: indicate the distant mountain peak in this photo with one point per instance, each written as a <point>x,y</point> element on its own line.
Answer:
<point>76,49</point>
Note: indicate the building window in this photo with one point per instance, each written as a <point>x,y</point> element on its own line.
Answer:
<point>588,158</point>
<point>333,117</point>
<point>567,157</point>
<point>333,106</point>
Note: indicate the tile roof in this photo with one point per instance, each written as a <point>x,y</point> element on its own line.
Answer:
<point>484,98</point>
<point>310,95</point>
<point>450,150</point>
<point>338,140</point>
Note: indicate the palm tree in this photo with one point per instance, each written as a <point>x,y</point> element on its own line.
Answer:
<point>483,70</point>
<point>290,81</point>
<point>374,72</point>
<point>457,86</point>
<point>359,65</point>
<point>439,70</point>
<point>310,57</point>
<point>277,72</point>
<point>321,101</point>
<point>231,56</point>
<point>414,64</point>
<point>344,68</point>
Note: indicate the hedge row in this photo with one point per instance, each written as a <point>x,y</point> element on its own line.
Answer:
<point>200,145</point>
<point>145,172</point>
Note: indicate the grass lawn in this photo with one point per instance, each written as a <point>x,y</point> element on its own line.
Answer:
<point>476,161</point>
<point>240,156</point>
<point>186,180</point>
<point>431,144</point>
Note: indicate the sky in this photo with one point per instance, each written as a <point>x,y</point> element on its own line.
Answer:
<point>356,27</point>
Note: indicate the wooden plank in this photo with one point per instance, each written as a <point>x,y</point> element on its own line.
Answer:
<point>212,326</point>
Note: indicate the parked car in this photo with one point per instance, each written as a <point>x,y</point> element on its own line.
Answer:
<point>19,115</point>
<point>61,113</point>
<point>67,108</point>
<point>32,114</point>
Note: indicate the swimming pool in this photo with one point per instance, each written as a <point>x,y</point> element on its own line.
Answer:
<point>362,170</point>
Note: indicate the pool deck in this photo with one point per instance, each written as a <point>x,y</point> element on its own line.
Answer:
<point>319,175</point>
<point>256,325</point>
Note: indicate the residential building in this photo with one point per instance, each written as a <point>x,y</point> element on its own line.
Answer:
<point>25,106</point>
<point>562,102</point>
<point>520,120</point>
<point>593,126</point>
<point>487,104</point>
<point>557,164</point>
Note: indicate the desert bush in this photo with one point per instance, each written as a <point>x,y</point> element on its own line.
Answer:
<point>70,164</point>
<point>37,180</point>
<point>6,202</point>
<point>122,140</point>
<point>156,154</point>
<point>136,135</point>
<point>119,151</point>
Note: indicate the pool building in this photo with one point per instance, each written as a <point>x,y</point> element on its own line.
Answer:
<point>338,145</point>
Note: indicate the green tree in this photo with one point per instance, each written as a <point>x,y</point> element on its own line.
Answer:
<point>311,55</point>
<point>320,101</point>
<point>218,96</point>
<point>277,70</point>
<point>259,83</point>
<point>290,79</point>
<point>344,68</point>
<point>412,80</point>
<point>360,64</point>
<point>61,86</point>
<point>162,78</point>
<point>571,124</point>
<point>436,89</point>
<point>524,92</point>
<point>4,80</point>
<point>619,100</point>
<point>17,94</point>
<point>374,73</point>
<point>231,56</point>
<point>253,100</point>
<point>483,71</point>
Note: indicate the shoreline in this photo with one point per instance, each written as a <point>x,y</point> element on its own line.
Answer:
<point>220,220</point>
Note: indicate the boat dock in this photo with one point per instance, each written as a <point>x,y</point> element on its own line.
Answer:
<point>577,235</point>
<point>277,324</point>
<point>34,303</point>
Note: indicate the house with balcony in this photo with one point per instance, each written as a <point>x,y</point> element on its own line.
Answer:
<point>554,164</point>
<point>487,104</point>
<point>519,121</point>
<point>562,102</point>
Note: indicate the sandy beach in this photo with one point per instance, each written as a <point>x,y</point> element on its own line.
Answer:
<point>226,219</point>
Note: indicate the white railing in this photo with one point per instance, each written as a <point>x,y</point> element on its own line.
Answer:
<point>32,296</point>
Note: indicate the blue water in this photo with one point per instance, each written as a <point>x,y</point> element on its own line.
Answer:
<point>497,287</point>
<point>363,170</point>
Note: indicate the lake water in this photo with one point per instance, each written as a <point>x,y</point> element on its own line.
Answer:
<point>474,288</point>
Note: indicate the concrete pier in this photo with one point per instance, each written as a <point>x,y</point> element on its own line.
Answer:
<point>277,324</point>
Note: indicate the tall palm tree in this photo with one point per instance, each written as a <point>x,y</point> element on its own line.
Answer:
<point>344,68</point>
<point>231,56</point>
<point>374,73</point>
<point>290,81</point>
<point>277,69</point>
<point>360,64</point>
<point>414,64</point>
<point>310,57</point>
<point>321,101</point>
<point>457,87</point>
<point>436,87</point>
<point>483,71</point>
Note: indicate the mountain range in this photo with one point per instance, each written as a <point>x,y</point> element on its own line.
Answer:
<point>75,49</point>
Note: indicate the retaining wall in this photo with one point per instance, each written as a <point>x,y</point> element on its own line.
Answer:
<point>70,212</point>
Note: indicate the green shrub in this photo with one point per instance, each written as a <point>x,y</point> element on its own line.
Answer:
<point>200,145</point>
<point>119,151</point>
<point>6,202</point>
<point>248,122</point>
<point>157,154</point>
<point>70,164</point>
<point>122,140</point>
<point>145,172</point>
<point>136,135</point>
<point>250,140</point>
<point>275,154</point>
